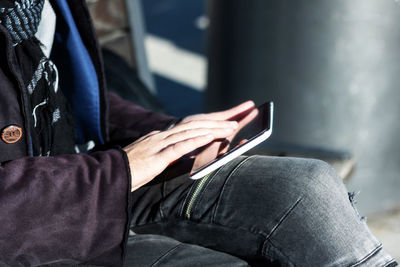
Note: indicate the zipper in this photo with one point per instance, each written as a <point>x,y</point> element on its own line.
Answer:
<point>195,193</point>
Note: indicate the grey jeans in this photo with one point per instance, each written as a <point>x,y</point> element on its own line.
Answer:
<point>256,211</point>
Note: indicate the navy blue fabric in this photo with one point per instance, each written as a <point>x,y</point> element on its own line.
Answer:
<point>78,76</point>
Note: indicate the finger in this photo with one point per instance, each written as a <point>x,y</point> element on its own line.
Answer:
<point>244,141</point>
<point>177,150</point>
<point>192,133</point>
<point>201,124</point>
<point>224,147</point>
<point>248,118</point>
<point>154,132</point>
<point>147,136</point>
<point>232,112</point>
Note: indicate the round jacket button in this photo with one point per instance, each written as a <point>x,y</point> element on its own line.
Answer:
<point>11,134</point>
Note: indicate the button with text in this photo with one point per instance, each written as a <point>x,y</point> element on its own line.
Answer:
<point>11,134</point>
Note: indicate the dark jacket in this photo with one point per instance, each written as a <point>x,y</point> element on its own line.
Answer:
<point>67,208</point>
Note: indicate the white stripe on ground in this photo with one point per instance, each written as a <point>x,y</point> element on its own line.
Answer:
<point>177,64</point>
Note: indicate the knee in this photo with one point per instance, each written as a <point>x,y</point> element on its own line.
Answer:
<point>291,171</point>
<point>307,176</point>
<point>304,170</point>
<point>319,172</point>
<point>320,181</point>
<point>292,177</point>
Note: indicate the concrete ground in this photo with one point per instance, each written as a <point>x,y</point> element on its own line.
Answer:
<point>386,227</point>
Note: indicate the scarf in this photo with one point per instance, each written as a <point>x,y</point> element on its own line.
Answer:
<point>52,126</point>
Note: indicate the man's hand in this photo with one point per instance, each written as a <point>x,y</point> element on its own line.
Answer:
<point>151,154</point>
<point>243,114</point>
<point>234,114</point>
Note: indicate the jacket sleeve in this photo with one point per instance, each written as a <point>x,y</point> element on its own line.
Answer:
<point>69,207</point>
<point>128,121</point>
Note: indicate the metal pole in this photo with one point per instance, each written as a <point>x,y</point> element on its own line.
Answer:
<point>137,27</point>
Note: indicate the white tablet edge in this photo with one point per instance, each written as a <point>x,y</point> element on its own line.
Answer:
<point>231,155</point>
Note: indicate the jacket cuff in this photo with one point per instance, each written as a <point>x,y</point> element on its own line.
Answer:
<point>129,203</point>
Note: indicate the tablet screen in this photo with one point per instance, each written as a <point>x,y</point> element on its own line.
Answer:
<point>255,126</point>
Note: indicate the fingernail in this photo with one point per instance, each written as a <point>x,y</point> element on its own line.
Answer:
<point>234,124</point>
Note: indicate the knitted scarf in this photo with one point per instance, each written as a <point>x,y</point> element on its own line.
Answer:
<point>52,126</point>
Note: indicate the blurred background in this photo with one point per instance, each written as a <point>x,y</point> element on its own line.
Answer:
<point>331,67</point>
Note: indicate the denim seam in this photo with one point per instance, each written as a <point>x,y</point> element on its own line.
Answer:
<point>264,249</point>
<point>369,255</point>
<point>240,164</point>
<point>150,223</point>
<point>268,237</point>
<point>389,263</point>
<point>161,204</point>
<point>166,254</point>
<point>282,219</point>
<point>180,220</point>
<point>258,232</point>
<point>248,230</point>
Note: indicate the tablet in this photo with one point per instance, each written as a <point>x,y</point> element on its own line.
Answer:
<point>254,128</point>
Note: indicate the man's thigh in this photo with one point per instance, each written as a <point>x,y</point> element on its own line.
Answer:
<point>245,189</point>
<point>233,209</point>
<point>294,210</point>
<point>156,250</point>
